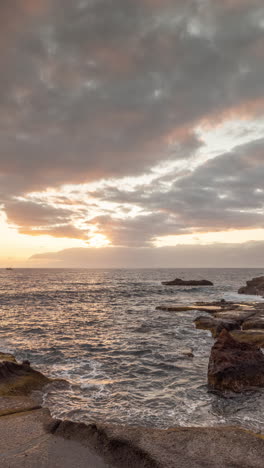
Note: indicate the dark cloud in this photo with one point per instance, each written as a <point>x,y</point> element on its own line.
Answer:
<point>110,88</point>
<point>105,88</point>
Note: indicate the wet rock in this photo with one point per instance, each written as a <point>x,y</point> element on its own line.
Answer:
<point>187,352</point>
<point>180,282</point>
<point>238,315</point>
<point>254,287</point>
<point>255,337</point>
<point>184,308</point>
<point>214,325</point>
<point>222,304</point>
<point>254,323</point>
<point>7,357</point>
<point>235,366</point>
<point>19,379</point>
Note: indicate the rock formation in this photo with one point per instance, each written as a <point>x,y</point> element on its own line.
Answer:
<point>215,325</point>
<point>19,379</point>
<point>235,366</point>
<point>180,282</point>
<point>254,287</point>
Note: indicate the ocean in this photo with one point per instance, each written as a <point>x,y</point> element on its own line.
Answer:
<point>124,361</point>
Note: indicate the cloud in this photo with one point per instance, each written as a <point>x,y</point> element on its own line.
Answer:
<point>110,89</point>
<point>37,219</point>
<point>105,88</point>
<point>28,213</point>
<point>138,231</point>
<point>223,193</point>
<point>248,255</point>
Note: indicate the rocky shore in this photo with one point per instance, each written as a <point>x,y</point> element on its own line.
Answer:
<point>31,438</point>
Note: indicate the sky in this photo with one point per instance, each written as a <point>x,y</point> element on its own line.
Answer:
<point>131,133</point>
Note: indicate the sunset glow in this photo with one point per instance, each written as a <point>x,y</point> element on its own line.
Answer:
<point>106,146</point>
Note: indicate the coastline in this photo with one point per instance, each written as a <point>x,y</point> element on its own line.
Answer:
<point>30,437</point>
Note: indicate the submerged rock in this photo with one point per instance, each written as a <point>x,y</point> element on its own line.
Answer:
<point>254,287</point>
<point>19,379</point>
<point>180,282</point>
<point>235,366</point>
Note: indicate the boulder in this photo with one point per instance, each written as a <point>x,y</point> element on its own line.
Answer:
<point>180,282</point>
<point>254,287</point>
<point>235,366</point>
<point>19,379</point>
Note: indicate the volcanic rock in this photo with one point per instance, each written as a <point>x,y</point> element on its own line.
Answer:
<point>180,282</point>
<point>254,287</point>
<point>235,366</point>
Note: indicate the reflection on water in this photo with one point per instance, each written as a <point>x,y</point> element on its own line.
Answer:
<point>125,361</point>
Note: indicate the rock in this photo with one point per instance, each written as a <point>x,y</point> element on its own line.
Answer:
<point>187,352</point>
<point>186,308</point>
<point>180,282</point>
<point>19,379</point>
<point>255,337</point>
<point>222,304</point>
<point>183,447</point>
<point>238,315</point>
<point>255,323</point>
<point>215,325</point>
<point>235,366</point>
<point>7,357</point>
<point>254,287</point>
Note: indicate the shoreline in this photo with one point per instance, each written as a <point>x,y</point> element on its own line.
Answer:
<point>36,436</point>
<point>64,443</point>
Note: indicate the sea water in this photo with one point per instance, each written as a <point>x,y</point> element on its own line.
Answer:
<point>124,361</point>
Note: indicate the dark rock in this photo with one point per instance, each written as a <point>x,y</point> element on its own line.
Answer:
<point>254,287</point>
<point>254,323</point>
<point>215,325</point>
<point>235,366</point>
<point>26,362</point>
<point>19,379</point>
<point>255,337</point>
<point>180,282</point>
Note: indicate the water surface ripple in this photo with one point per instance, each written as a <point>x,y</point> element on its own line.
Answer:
<point>125,361</point>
